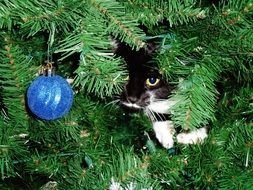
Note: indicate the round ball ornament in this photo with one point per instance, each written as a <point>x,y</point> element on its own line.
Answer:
<point>49,97</point>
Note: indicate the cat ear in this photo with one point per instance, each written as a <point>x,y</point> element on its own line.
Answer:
<point>121,48</point>
<point>152,46</point>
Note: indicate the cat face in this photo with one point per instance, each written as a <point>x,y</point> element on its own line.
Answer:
<point>145,89</point>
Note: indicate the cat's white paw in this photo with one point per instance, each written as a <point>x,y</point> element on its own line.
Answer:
<point>193,137</point>
<point>164,131</point>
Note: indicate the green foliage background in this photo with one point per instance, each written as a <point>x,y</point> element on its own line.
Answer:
<point>206,51</point>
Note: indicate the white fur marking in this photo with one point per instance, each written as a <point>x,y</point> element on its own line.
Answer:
<point>162,106</point>
<point>164,131</point>
<point>114,43</point>
<point>130,105</point>
<point>193,137</point>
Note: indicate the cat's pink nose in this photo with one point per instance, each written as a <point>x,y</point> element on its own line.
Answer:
<point>132,99</point>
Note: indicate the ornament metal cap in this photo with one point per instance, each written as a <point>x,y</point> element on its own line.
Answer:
<point>47,69</point>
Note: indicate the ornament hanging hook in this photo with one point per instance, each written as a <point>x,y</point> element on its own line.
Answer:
<point>48,68</point>
<point>50,42</point>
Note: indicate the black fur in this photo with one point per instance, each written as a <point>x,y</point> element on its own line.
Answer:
<point>140,68</point>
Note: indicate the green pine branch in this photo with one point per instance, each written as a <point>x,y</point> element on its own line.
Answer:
<point>120,24</point>
<point>196,99</point>
<point>175,12</point>
<point>224,160</point>
<point>169,171</point>
<point>99,72</point>
<point>122,169</point>
<point>16,69</point>
<point>195,74</point>
<point>5,151</point>
<point>96,77</point>
<point>210,45</point>
<point>11,147</point>
<point>37,16</point>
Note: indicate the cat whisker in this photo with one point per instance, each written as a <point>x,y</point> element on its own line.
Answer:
<point>160,100</point>
<point>152,115</point>
<point>116,96</point>
<point>114,102</point>
<point>157,114</point>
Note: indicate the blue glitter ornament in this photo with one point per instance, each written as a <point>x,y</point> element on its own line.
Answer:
<point>49,97</point>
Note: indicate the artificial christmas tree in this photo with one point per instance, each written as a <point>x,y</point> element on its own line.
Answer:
<point>205,51</point>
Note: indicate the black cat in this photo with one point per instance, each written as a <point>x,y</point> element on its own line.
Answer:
<point>146,90</point>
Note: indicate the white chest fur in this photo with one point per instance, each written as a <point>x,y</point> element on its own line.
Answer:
<point>162,107</point>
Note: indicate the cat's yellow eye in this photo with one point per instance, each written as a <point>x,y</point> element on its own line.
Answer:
<point>152,81</point>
